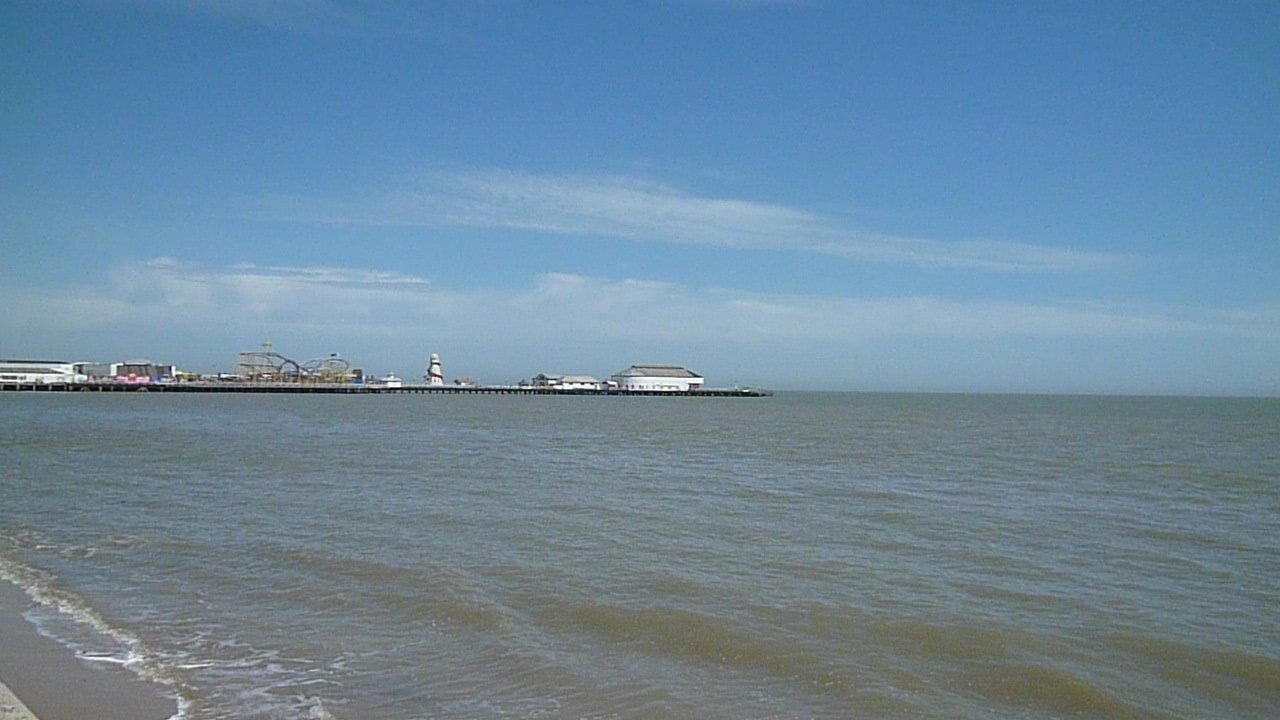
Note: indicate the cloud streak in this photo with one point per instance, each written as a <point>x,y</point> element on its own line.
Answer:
<point>164,290</point>
<point>619,207</point>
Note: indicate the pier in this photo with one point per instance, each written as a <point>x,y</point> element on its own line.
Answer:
<point>359,389</point>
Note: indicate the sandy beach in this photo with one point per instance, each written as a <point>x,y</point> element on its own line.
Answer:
<point>51,683</point>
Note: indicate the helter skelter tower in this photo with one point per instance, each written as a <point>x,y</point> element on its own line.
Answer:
<point>435,373</point>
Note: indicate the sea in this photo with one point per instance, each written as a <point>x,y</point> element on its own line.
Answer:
<point>806,555</point>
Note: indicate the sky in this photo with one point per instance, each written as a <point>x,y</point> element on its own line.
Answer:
<point>900,196</point>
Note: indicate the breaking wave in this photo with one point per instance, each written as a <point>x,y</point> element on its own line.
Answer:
<point>100,640</point>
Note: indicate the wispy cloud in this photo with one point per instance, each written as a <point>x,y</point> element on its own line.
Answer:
<point>330,276</point>
<point>690,313</point>
<point>610,206</point>
<point>164,287</point>
<point>562,307</point>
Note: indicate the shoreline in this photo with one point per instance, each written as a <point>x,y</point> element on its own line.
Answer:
<point>52,683</point>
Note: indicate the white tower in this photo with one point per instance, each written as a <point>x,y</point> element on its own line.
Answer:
<point>435,374</point>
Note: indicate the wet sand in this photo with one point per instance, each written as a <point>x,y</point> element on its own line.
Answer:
<point>56,685</point>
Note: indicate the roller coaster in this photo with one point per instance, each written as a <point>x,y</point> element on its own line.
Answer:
<point>269,366</point>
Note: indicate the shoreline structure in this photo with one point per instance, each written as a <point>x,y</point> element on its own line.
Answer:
<point>365,389</point>
<point>270,372</point>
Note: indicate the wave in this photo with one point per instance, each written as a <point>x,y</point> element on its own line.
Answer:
<point>440,596</point>
<point>1049,688</point>
<point>205,676</point>
<point>709,639</point>
<point>123,647</point>
<point>1236,678</point>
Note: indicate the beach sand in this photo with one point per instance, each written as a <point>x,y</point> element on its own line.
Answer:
<point>54,684</point>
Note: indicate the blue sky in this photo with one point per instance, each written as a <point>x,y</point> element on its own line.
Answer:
<point>1023,197</point>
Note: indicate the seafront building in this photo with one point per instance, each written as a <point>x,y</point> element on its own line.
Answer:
<point>137,371</point>
<point>39,372</point>
<point>566,382</point>
<point>57,372</point>
<point>54,372</point>
<point>656,378</point>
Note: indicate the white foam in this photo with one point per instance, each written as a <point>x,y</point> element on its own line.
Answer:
<point>317,710</point>
<point>106,659</point>
<point>42,588</point>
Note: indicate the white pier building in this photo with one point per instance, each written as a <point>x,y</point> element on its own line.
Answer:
<point>657,378</point>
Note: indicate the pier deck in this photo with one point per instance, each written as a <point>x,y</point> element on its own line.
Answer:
<point>354,389</point>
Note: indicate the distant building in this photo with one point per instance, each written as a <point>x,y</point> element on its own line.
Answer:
<point>141,371</point>
<point>566,382</point>
<point>656,378</point>
<point>39,372</point>
<point>134,371</point>
<point>95,372</point>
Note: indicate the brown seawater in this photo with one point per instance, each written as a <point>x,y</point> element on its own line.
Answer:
<point>808,555</point>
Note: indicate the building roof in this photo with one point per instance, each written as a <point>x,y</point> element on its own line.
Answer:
<point>657,371</point>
